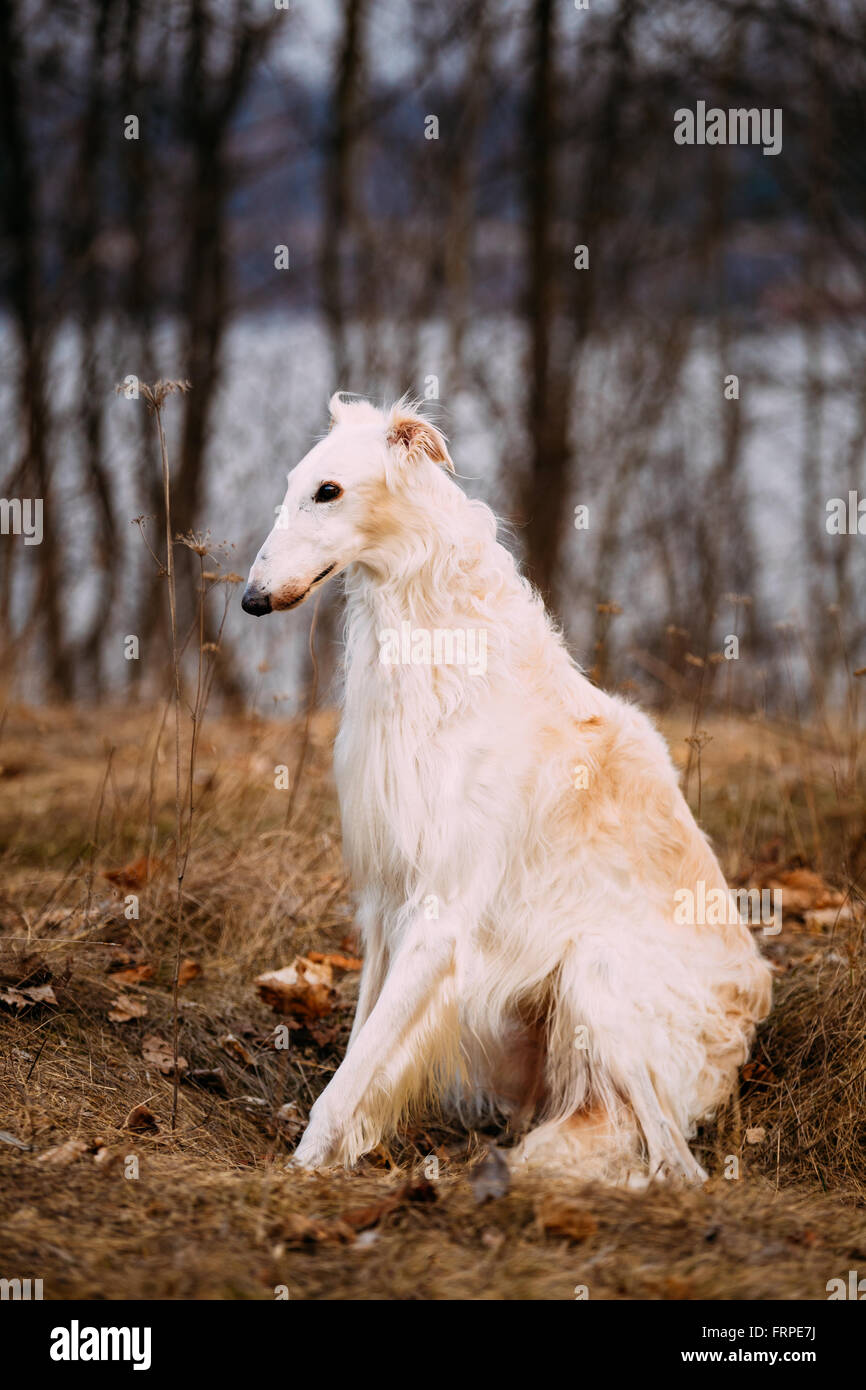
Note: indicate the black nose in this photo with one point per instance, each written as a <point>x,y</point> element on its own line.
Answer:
<point>255,601</point>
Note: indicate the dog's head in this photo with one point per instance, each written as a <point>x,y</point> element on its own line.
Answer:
<point>340,500</point>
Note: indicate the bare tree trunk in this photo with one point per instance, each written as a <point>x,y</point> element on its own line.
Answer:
<point>558,339</point>
<point>211,100</point>
<point>31,320</point>
<point>815,537</point>
<point>338,194</point>
<point>140,299</point>
<point>338,238</point>
<point>542,493</point>
<point>86,199</point>
<point>459,233</point>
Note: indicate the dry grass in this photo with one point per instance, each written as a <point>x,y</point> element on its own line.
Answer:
<point>213,1213</point>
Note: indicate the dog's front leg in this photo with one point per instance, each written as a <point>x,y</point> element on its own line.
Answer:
<point>373,977</point>
<point>412,1025</point>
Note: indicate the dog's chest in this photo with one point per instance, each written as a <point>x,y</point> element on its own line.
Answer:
<point>390,782</point>
<point>416,793</point>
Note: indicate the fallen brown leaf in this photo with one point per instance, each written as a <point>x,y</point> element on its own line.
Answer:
<point>757,1071</point>
<point>189,970</point>
<point>803,890</point>
<point>14,999</point>
<point>133,974</point>
<point>40,994</point>
<point>28,995</point>
<point>125,1007</point>
<point>134,875</point>
<point>106,1158</point>
<point>235,1048</point>
<point>303,989</point>
<point>159,1053</point>
<point>289,1120</point>
<point>842,915</point>
<point>141,1120</point>
<point>337,962</point>
<point>212,1079</point>
<point>64,1154</point>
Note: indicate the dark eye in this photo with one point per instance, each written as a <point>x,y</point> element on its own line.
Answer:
<point>328,492</point>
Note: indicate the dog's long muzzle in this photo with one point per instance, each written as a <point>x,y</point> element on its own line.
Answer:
<point>256,601</point>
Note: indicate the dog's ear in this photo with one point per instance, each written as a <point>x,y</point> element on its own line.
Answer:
<point>417,438</point>
<point>336,409</point>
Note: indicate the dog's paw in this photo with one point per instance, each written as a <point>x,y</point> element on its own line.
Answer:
<point>317,1150</point>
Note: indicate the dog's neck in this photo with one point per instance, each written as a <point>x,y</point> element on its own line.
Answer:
<point>435,561</point>
<point>451,578</point>
<point>448,587</point>
<point>442,572</point>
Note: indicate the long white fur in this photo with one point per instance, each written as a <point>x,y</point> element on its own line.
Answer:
<point>521,952</point>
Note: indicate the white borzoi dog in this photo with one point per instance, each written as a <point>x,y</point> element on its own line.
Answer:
<point>516,836</point>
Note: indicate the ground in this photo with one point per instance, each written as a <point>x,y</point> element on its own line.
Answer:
<point>103,1195</point>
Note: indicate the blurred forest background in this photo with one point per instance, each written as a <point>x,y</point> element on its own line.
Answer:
<point>438,257</point>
